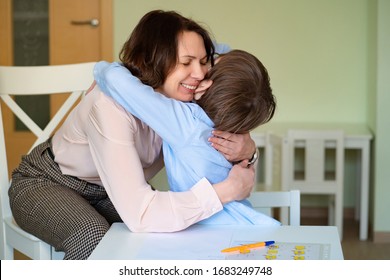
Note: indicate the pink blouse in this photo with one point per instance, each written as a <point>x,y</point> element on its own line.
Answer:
<point>102,143</point>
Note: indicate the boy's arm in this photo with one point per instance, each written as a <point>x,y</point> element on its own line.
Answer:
<point>164,115</point>
<point>221,48</point>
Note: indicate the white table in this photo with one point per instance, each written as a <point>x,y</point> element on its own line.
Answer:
<point>206,241</point>
<point>357,137</point>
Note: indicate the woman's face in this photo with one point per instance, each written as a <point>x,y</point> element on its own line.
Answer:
<point>190,69</point>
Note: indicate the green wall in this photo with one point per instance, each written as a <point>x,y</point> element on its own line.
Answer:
<point>382,154</point>
<point>321,56</point>
<point>314,50</point>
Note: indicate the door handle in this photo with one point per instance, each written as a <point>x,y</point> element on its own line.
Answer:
<point>92,22</point>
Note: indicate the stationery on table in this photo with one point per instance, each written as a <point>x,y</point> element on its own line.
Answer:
<point>246,248</point>
<point>281,251</point>
<point>200,242</point>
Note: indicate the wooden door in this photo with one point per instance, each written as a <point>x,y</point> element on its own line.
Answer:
<point>72,39</point>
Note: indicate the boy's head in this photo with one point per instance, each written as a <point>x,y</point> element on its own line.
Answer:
<point>240,97</point>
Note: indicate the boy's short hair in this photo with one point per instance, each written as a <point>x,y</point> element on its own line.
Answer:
<point>240,98</point>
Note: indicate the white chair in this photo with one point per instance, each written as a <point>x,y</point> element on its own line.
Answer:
<point>267,201</point>
<point>34,80</point>
<point>320,171</point>
<point>272,162</point>
<point>268,166</point>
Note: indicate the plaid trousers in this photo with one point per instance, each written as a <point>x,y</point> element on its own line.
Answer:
<point>68,213</point>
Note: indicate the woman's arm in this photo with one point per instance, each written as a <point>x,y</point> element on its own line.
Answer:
<point>227,190</point>
<point>156,167</point>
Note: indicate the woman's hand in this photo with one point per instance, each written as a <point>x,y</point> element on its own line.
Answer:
<point>239,183</point>
<point>234,147</point>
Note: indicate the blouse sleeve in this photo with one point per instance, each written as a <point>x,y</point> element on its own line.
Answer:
<point>111,136</point>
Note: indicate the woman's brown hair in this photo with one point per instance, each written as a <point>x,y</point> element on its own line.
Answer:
<point>240,98</point>
<point>150,53</point>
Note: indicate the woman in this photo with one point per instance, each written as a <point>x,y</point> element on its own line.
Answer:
<point>94,172</point>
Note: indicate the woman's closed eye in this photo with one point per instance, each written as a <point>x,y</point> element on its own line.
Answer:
<point>188,62</point>
<point>204,62</point>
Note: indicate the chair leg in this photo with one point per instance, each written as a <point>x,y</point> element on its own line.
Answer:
<point>8,252</point>
<point>339,214</point>
<point>57,255</point>
<point>42,251</point>
<point>284,216</point>
<point>331,210</point>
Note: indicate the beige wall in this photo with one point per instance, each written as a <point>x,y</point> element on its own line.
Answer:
<point>321,55</point>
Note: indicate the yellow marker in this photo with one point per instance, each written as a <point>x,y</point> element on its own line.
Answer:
<point>272,251</point>
<point>299,252</point>
<point>270,257</point>
<point>299,257</point>
<point>300,247</point>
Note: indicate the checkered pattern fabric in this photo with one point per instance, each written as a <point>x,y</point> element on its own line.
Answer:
<point>68,213</point>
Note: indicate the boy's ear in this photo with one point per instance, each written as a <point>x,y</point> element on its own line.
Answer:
<point>201,89</point>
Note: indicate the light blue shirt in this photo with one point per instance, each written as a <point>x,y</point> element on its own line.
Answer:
<point>185,129</point>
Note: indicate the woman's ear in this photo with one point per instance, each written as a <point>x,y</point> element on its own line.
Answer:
<point>201,89</point>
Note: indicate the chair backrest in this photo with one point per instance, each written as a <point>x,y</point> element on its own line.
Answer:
<point>272,162</point>
<point>37,80</point>
<point>321,168</point>
<point>272,200</point>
